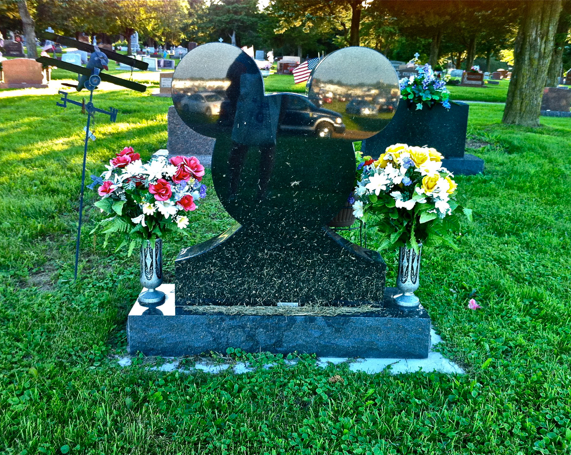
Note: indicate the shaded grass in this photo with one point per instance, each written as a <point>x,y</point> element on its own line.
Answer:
<point>60,387</point>
<point>490,93</point>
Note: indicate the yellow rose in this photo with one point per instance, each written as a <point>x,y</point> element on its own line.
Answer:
<point>382,161</point>
<point>396,150</point>
<point>419,155</point>
<point>429,183</point>
<point>434,155</point>
<point>453,185</point>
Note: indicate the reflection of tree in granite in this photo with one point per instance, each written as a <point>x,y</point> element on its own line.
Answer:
<point>282,189</point>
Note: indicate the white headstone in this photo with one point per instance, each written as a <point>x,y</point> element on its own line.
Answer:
<point>153,66</point>
<point>135,42</point>
<point>71,58</point>
<point>84,55</point>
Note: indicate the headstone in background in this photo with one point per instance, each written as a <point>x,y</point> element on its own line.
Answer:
<point>13,49</point>
<point>406,71</point>
<point>167,64</point>
<point>166,84</point>
<point>84,38</point>
<point>497,76</point>
<point>106,46</point>
<point>180,52</point>
<point>473,79</point>
<point>24,73</point>
<point>71,58</point>
<point>490,82</point>
<point>123,66</point>
<point>192,45</point>
<point>182,140</point>
<point>153,66</point>
<point>84,55</point>
<point>456,73</point>
<point>287,64</point>
<point>567,79</point>
<point>260,55</point>
<point>556,102</point>
<point>151,50</point>
<point>58,48</point>
<point>135,42</point>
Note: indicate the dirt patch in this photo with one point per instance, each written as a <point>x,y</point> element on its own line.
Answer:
<point>476,143</point>
<point>42,279</point>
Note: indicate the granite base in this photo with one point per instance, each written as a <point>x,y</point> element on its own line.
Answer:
<point>467,165</point>
<point>177,331</point>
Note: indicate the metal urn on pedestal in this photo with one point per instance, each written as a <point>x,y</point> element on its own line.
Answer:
<point>152,274</point>
<point>408,279</point>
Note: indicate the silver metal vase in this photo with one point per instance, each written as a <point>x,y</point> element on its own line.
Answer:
<point>408,279</point>
<point>152,274</point>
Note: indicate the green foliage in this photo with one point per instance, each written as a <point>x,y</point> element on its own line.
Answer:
<point>62,390</point>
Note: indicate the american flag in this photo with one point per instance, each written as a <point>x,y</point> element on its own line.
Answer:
<point>303,71</point>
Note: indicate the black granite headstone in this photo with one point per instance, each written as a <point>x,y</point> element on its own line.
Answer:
<point>282,167</point>
<point>13,49</point>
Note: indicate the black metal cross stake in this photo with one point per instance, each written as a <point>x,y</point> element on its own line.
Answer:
<point>90,77</point>
<point>91,110</point>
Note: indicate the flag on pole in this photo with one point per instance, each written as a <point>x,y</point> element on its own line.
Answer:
<point>303,71</point>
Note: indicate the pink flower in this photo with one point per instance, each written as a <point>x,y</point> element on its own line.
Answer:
<point>161,190</point>
<point>188,165</point>
<point>473,305</point>
<point>187,203</point>
<point>124,157</point>
<point>105,189</point>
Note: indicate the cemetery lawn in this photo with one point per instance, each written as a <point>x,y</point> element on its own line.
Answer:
<point>62,391</point>
<point>490,93</point>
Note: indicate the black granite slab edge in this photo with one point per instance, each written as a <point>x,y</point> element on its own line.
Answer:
<point>400,334</point>
<point>555,114</point>
<point>467,165</point>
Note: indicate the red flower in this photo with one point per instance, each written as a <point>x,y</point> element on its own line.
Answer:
<point>187,203</point>
<point>161,190</point>
<point>124,157</point>
<point>368,162</point>
<point>187,167</point>
<point>106,189</point>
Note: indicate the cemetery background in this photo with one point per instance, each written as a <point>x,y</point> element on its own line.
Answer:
<point>61,389</point>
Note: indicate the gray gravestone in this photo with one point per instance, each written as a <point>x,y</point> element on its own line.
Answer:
<point>182,140</point>
<point>135,42</point>
<point>166,64</point>
<point>153,65</point>
<point>84,56</point>
<point>71,58</point>
<point>260,55</point>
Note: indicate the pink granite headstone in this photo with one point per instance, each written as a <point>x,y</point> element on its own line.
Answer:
<point>23,73</point>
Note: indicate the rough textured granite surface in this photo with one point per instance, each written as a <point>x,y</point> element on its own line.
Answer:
<point>182,140</point>
<point>177,331</point>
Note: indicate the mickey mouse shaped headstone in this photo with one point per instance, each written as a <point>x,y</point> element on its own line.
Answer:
<point>282,166</point>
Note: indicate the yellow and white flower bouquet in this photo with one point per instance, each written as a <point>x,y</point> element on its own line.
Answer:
<point>407,197</point>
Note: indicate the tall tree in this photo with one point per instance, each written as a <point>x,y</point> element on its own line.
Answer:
<point>561,39</point>
<point>532,51</point>
<point>29,29</point>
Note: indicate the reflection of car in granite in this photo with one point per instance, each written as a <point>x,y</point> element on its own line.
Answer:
<point>301,115</point>
<point>207,103</point>
<point>386,104</point>
<point>361,107</point>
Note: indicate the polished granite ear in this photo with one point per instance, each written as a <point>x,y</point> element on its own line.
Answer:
<point>284,158</point>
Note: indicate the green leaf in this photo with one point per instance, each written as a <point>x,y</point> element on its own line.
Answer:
<point>468,213</point>
<point>132,247</point>
<point>104,204</point>
<point>64,449</point>
<point>118,207</point>
<point>425,217</point>
<point>486,363</point>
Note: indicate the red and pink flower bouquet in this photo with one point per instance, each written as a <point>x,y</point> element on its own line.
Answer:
<point>146,201</point>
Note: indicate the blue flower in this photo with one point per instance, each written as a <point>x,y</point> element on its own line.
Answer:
<point>202,191</point>
<point>361,166</point>
<point>407,162</point>
<point>419,106</point>
<point>351,200</point>
<point>406,181</point>
<point>96,181</point>
<point>446,104</point>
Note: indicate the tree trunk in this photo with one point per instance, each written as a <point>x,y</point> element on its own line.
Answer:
<point>355,22</point>
<point>435,48</point>
<point>459,61</point>
<point>556,64</point>
<point>299,49</point>
<point>471,54</point>
<point>532,54</point>
<point>233,38</point>
<point>29,32</point>
<point>128,34</point>
<point>488,60</point>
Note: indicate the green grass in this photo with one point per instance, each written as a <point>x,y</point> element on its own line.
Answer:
<point>61,390</point>
<point>490,93</point>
